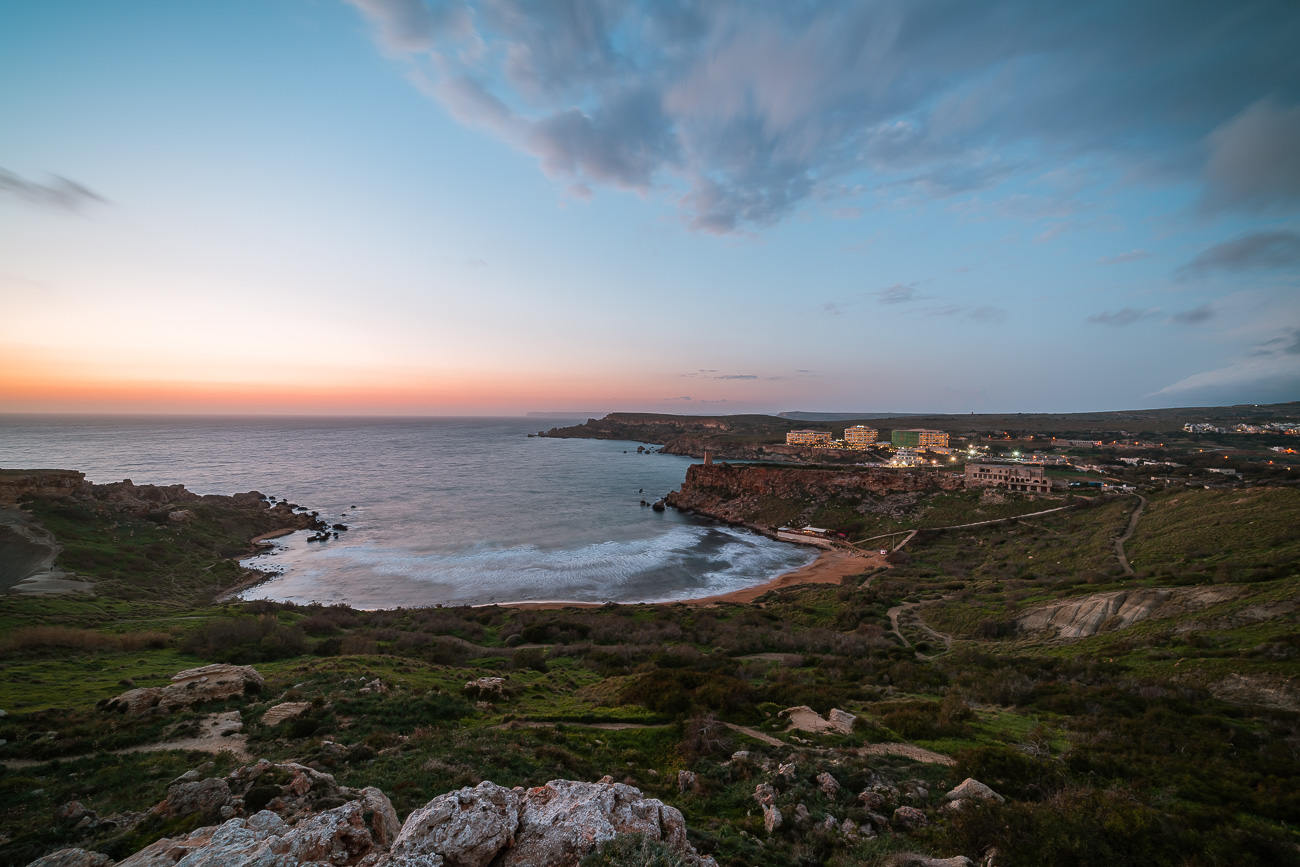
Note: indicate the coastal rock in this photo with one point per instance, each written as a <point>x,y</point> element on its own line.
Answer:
<point>909,819</point>
<point>556,824</point>
<point>72,858</point>
<point>467,828</point>
<point>486,687</point>
<point>910,859</point>
<point>972,788</point>
<point>205,797</point>
<point>51,484</point>
<point>192,686</point>
<point>764,794</point>
<point>687,781</point>
<point>804,718</point>
<point>841,720</point>
<point>337,837</point>
<point>735,492</point>
<point>771,818</point>
<point>283,711</point>
<point>563,821</point>
<point>828,784</point>
<point>872,800</point>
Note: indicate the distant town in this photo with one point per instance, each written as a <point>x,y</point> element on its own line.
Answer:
<point>1017,471</point>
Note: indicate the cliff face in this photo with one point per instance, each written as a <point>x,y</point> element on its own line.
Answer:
<point>740,494</point>
<point>696,446</point>
<point>741,438</point>
<point>53,484</point>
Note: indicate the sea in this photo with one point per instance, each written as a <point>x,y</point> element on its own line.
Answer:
<point>439,511</point>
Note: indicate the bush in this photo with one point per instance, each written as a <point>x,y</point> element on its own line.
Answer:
<point>633,850</point>
<point>530,657</point>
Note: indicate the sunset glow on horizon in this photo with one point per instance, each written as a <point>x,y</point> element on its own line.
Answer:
<point>467,208</point>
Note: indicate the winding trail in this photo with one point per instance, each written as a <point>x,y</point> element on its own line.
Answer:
<point>896,612</point>
<point>1128,534</point>
<point>757,735</point>
<point>908,751</point>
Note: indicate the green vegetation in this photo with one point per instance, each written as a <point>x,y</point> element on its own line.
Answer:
<point>1170,741</point>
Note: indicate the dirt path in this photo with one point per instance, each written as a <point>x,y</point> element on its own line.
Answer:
<point>608,727</point>
<point>218,732</point>
<point>1128,534</point>
<point>907,751</point>
<point>894,614</point>
<point>757,735</point>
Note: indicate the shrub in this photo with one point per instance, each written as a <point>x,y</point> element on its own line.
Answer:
<point>633,850</point>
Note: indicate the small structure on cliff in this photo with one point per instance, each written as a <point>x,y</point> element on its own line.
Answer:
<point>1016,478</point>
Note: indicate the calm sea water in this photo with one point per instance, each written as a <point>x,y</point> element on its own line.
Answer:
<point>440,511</point>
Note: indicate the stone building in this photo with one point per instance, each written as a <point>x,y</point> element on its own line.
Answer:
<point>1012,477</point>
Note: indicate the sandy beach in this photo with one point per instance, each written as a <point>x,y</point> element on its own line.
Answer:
<point>830,567</point>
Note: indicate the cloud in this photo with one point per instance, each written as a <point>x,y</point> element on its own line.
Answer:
<point>713,374</point>
<point>1269,373</point>
<point>1249,252</point>
<point>1126,316</point>
<point>854,213</point>
<point>974,314</point>
<point>59,193</point>
<point>1195,316</point>
<point>1286,344</point>
<point>833,308</point>
<point>1130,256</point>
<point>899,293</point>
<point>743,112</point>
<point>986,314</point>
<point>1253,163</point>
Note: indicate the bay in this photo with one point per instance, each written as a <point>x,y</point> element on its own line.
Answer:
<point>439,510</point>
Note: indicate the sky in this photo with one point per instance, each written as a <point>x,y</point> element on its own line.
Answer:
<point>490,208</point>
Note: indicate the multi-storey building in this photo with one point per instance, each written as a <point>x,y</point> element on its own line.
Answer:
<point>919,438</point>
<point>860,436</point>
<point>808,438</point>
<point>1015,478</point>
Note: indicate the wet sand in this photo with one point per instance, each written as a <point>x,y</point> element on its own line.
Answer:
<point>830,567</point>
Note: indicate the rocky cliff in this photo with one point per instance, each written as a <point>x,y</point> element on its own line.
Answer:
<point>736,437</point>
<point>741,494</point>
<point>32,560</point>
<point>55,484</point>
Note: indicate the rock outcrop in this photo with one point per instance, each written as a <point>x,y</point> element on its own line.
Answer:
<point>54,484</point>
<point>971,789</point>
<point>734,493</point>
<point>1118,609</point>
<point>313,821</point>
<point>192,686</point>
<point>73,858</point>
<point>804,718</point>
<point>338,837</point>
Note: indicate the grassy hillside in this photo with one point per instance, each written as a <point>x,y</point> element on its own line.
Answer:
<point>1171,741</point>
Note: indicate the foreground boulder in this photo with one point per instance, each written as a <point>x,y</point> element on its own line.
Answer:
<point>73,858</point>
<point>192,686</point>
<point>465,828</point>
<point>555,825</point>
<point>339,837</point>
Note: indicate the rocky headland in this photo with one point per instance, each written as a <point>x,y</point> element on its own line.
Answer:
<point>30,555</point>
<point>746,494</point>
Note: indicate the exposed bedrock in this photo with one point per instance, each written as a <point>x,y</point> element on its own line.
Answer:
<point>1119,609</point>
<point>730,492</point>
<point>303,817</point>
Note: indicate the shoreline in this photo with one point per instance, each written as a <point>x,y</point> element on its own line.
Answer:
<point>832,566</point>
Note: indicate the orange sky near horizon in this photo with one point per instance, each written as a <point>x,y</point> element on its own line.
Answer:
<point>36,386</point>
